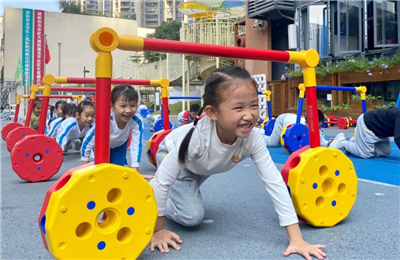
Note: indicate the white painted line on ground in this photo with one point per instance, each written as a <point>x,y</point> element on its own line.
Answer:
<point>208,221</point>
<point>379,194</point>
<point>380,183</point>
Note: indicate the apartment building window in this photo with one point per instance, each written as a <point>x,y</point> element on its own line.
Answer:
<point>386,23</point>
<point>152,11</point>
<point>152,17</point>
<point>152,23</point>
<point>348,29</point>
<point>318,29</point>
<point>132,4</point>
<point>151,4</point>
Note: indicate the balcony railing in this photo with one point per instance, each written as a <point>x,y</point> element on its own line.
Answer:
<point>206,32</point>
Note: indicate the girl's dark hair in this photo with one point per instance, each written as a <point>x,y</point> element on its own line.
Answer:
<point>125,91</point>
<point>84,104</point>
<point>60,102</point>
<point>69,110</point>
<point>51,111</point>
<point>217,83</point>
<point>36,101</point>
<point>321,117</point>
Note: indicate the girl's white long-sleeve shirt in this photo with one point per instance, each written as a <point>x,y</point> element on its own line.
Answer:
<point>54,127</point>
<point>118,137</point>
<point>208,156</point>
<point>69,131</point>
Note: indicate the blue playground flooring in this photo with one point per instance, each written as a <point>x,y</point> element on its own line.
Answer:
<point>383,169</point>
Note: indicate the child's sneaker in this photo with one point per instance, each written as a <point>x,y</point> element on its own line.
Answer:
<point>77,145</point>
<point>67,146</point>
<point>337,143</point>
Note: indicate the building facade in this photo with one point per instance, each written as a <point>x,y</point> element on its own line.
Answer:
<point>148,13</point>
<point>68,42</point>
<point>335,28</point>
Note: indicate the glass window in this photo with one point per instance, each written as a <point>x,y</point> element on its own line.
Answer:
<point>152,17</point>
<point>349,26</point>
<point>386,25</point>
<point>392,91</point>
<point>318,28</point>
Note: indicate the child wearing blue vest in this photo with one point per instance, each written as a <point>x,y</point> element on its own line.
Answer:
<point>124,122</point>
<point>74,129</point>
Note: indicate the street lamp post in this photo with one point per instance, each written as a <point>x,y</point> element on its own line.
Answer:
<point>59,62</point>
<point>85,71</point>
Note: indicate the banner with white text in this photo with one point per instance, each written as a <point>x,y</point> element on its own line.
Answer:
<point>38,62</point>
<point>27,23</point>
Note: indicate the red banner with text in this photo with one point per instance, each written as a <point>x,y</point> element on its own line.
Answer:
<point>38,56</point>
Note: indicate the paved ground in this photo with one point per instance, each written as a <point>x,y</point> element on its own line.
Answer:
<point>240,219</point>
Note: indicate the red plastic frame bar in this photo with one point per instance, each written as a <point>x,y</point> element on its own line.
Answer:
<point>29,112</point>
<point>164,101</point>
<point>73,89</point>
<point>113,81</point>
<point>158,45</point>
<point>43,115</point>
<point>102,150</point>
<point>56,96</point>
<point>16,114</point>
<point>312,113</point>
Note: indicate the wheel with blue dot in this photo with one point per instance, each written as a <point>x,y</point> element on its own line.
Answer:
<point>159,125</point>
<point>103,211</point>
<point>283,137</point>
<point>17,134</point>
<point>8,128</point>
<point>322,183</point>
<point>296,137</point>
<point>269,126</point>
<point>36,158</point>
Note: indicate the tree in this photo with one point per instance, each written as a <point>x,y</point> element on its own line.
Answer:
<point>168,31</point>
<point>128,16</point>
<point>69,7</point>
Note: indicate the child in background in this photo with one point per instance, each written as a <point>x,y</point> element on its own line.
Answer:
<point>5,114</point>
<point>37,107</point>
<point>151,119</point>
<point>213,145</point>
<point>50,113</point>
<point>332,143</point>
<point>282,121</point>
<point>180,118</point>
<point>124,121</point>
<point>58,109</point>
<point>190,114</point>
<point>75,128</point>
<point>372,134</point>
<point>69,110</point>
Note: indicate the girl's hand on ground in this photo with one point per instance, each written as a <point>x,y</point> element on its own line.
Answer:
<point>163,239</point>
<point>306,250</point>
